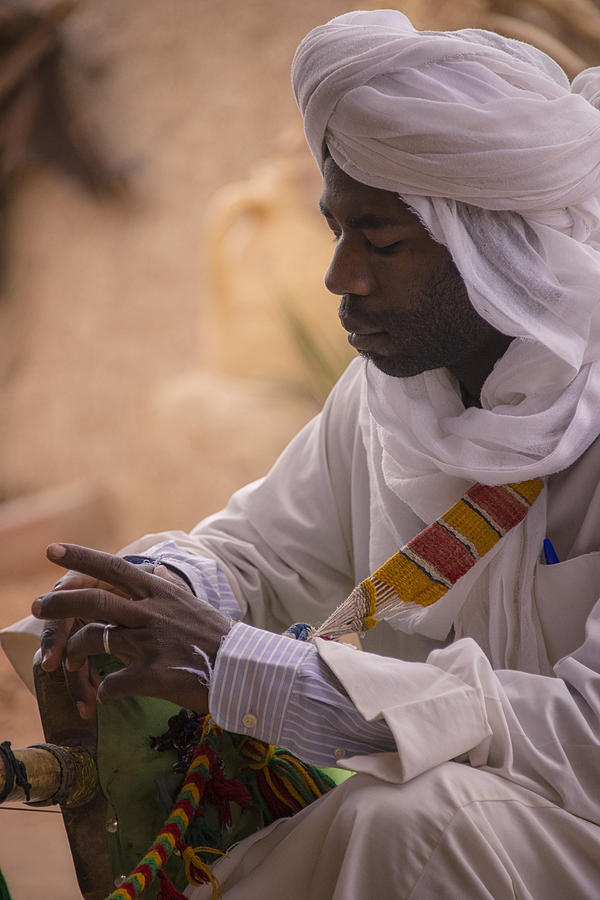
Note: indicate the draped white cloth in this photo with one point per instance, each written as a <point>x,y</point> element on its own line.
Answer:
<point>486,140</point>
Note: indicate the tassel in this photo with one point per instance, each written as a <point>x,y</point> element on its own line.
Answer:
<point>280,786</point>
<point>199,872</point>
<point>167,890</point>
<point>221,792</point>
<point>284,784</point>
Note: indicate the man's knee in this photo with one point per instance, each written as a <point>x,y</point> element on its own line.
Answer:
<point>461,826</point>
<point>380,818</point>
<point>433,797</point>
<point>384,819</point>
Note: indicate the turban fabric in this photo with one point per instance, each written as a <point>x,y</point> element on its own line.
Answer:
<point>465,115</point>
<point>485,139</point>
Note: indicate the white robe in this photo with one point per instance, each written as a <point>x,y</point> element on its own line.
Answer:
<point>292,546</point>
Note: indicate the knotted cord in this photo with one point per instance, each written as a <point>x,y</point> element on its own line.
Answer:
<point>14,773</point>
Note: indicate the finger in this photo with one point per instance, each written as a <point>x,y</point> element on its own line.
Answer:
<point>72,580</point>
<point>88,641</point>
<point>53,642</point>
<point>129,682</point>
<point>83,687</point>
<point>143,681</point>
<point>55,633</point>
<point>92,605</point>
<point>104,566</point>
<point>173,577</point>
<point>124,643</point>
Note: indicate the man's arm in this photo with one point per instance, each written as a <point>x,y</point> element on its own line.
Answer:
<point>286,543</point>
<point>280,690</point>
<point>282,548</point>
<point>540,732</point>
<point>169,642</point>
<point>537,731</point>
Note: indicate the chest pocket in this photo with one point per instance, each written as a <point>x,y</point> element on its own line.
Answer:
<point>565,594</point>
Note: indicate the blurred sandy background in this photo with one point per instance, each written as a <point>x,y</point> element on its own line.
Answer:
<point>159,345</point>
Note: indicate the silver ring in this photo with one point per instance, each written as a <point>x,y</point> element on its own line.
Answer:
<point>105,638</point>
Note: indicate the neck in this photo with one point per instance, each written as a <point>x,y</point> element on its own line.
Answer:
<point>473,371</point>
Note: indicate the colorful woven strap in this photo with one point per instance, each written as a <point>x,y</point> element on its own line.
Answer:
<point>266,777</point>
<point>171,836</point>
<point>433,561</point>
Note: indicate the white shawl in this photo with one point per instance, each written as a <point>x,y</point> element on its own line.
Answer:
<point>499,156</point>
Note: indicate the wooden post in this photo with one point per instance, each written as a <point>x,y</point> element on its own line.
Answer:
<point>65,775</point>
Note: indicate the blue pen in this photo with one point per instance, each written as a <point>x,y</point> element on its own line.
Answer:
<point>550,553</point>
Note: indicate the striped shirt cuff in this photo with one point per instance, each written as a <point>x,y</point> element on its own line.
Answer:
<point>280,691</point>
<point>204,575</point>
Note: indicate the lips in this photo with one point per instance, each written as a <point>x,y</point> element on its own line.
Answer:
<point>362,336</point>
<point>354,325</point>
<point>367,341</point>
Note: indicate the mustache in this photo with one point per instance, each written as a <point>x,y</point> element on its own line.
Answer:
<point>354,316</point>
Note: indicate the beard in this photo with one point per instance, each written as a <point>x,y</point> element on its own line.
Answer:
<point>429,327</point>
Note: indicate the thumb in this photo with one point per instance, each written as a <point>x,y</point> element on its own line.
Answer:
<point>73,580</point>
<point>171,576</point>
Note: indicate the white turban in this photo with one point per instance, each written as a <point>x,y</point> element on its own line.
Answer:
<point>486,140</point>
<point>465,115</point>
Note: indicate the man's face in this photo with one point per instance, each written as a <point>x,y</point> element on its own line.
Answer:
<point>404,304</point>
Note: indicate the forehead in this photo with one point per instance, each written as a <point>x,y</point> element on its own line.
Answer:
<point>351,202</point>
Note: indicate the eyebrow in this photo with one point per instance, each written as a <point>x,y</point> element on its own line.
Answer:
<point>367,220</point>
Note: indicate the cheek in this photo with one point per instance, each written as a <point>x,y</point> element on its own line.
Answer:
<point>410,287</point>
<point>417,267</point>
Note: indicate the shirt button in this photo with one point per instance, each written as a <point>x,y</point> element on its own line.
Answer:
<point>249,720</point>
<point>339,753</point>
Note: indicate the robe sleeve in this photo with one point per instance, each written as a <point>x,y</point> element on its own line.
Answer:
<point>540,732</point>
<point>285,542</point>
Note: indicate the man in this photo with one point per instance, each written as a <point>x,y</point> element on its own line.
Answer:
<point>461,186</point>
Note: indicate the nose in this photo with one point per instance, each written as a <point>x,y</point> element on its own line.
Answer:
<point>349,272</point>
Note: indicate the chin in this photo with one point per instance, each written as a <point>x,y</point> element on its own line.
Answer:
<point>398,368</point>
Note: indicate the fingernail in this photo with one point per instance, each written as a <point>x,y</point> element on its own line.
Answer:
<point>57,551</point>
<point>36,607</point>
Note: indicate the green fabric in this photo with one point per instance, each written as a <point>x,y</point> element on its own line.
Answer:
<point>140,786</point>
<point>4,892</point>
<point>129,772</point>
<point>338,775</point>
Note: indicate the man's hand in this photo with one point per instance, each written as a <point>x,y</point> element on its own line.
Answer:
<point>83,684</point>
<point>164,634</point>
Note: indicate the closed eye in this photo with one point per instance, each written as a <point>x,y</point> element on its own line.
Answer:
<point>387,249</point>
<point>335,230</point>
